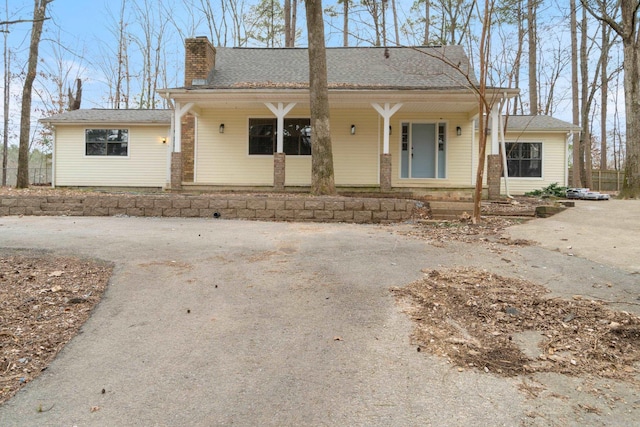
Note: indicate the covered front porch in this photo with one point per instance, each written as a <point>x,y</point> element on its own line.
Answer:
<point>420,142</point>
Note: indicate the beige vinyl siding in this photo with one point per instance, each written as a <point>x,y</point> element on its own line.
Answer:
<point>223,159</point>
<point>554,161</point>
<point>145,165</point>
<point>458,150</point>
<point>355,157</point>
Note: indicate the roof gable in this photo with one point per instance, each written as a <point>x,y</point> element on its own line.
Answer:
<point>106,116</point>
<point>538,123</point>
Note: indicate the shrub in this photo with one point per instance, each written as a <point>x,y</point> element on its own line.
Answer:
<point>553,190</point>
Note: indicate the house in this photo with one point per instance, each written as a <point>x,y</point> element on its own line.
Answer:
<point>402,119</point>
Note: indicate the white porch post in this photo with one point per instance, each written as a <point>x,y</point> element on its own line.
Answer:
<point>495,126</point>
<point>175,165</point>
<point>178,113</point>
<point>279,158</point>
<point>386,112</point>
<point>503,146</point>
<point>280,112</point>
<point>385,158</point>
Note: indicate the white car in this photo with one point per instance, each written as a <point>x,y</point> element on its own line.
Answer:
<point>594,195</point>
<point>576,193</point>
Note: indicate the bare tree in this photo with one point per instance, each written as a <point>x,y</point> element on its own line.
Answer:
<point>150,43</point>
<point>485,104</point>
<point>584,160</point>
<point>322,176</point>
<point>604,89</point>
<point>628,28</point>
<point>39,14</point>
<point>345,22</point>
<point>75,99</point>
<point>6,97</point>
<point>574,93</point>
<point>290,17</point>
<point>532,6</point>
<point>427,22</point>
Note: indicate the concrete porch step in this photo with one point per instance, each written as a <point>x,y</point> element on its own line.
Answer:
<point>449,209</point>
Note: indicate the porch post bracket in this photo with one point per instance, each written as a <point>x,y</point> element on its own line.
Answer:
<point>280,112</point>
<point>386,112</point>
<point>179,112</point>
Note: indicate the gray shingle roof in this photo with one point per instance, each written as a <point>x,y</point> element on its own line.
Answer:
<point>538,123</point>
<point>111,116</point>
<point>349,68</point>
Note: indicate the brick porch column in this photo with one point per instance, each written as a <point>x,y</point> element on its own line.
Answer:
<point>176,171</point>
<point>188,147</point>
<point>385,172</point>
<point>279,163</point>
<point>494,174</point>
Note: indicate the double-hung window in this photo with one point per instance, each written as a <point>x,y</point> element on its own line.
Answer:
<point>524,159</point>
<point>296,136</point>
<point>107,142</point>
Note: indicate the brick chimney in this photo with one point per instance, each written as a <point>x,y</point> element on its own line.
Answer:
<point>199,60</point>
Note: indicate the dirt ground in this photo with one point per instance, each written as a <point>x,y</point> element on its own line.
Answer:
<point>43,303</point>
<point>473,318</point>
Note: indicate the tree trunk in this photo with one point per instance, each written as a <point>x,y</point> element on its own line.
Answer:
<point>396,27</point>
<point>631,65</point>
<point>345,23</point>
<point>604,91</point>
<point>575,100</point>
<point>585,108</point>
<point>518,59</point>
<point>427,22</point>
<point>483,109</point>
<point>294,20</point>
<point>39,12</point>
<point>322,178</point>
<point>75,100</point>
<point>533,58</point>
<point>7,100</point>
<point>628,30</point>
<point>287,23</point>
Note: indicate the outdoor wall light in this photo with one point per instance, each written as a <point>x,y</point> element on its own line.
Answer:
<point>164,140</point>
<point>221,128</point>
<point>458,131</point>
<point>353,129</point>
<point>390,130</point>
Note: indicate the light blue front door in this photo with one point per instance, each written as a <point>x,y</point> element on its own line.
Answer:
<point>423,150</point>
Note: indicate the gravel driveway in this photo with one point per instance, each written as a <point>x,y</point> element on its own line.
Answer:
<point>210,322</point>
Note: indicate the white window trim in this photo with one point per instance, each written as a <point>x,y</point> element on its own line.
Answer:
<point>264,156</point>
<point>528,178</point>
<point>84,145</point>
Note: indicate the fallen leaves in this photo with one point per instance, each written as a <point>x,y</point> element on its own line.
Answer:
<point>471,317</point>
<point>44,301</point>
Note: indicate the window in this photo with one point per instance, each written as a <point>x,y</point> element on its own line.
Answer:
<point>106,142</point>
<point>524,159</point>
<point>263,136</point>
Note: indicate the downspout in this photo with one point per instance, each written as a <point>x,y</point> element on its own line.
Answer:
<point>570,136</point>
<point>504,150</point>
<point>170,149</point>
<point>53,159</point>
<point>504,159</point>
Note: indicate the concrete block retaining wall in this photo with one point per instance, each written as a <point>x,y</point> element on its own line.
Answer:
<point>290,208</point>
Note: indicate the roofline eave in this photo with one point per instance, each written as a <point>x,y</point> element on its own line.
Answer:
<point>188,94</point>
